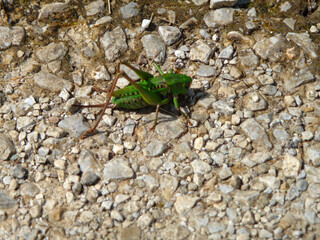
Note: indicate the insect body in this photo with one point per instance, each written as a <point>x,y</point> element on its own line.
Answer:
<point>154,91</point>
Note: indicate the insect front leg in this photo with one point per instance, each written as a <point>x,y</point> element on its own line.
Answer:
<point>150,97</point>
<point>156,118</point>
<point>176,105</point>
<point>157,113</point>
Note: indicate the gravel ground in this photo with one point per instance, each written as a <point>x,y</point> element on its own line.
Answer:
<point>248,166</point>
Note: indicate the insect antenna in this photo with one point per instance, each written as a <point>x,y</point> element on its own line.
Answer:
<point>158,68</point>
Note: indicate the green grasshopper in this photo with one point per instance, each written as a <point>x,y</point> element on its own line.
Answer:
<point>154,91</point>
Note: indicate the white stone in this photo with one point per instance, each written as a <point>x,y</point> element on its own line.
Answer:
<point>291,166</point>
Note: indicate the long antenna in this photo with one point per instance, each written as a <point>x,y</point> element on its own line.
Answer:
<point>158,68</point>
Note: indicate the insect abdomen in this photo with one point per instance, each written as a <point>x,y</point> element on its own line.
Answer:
<point>129,97</point>
<point>129,102</point>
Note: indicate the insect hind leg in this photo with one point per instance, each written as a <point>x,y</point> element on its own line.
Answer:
<point>105,105</point>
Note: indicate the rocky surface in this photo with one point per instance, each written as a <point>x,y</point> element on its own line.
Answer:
<point>248,166</point>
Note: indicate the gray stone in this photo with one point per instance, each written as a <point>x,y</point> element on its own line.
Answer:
<point>263,233</point>
<point>207,101</point>
<point>5,37</point>
<point>130,10</point>
<point>102,21</point>
<point>312,155</point>
<point>223,107</point>
<point>225,188</point>
<point>235,72</point>
<point>25,123</point>
<point>77,188</point>
<point>304,41</point>
<point>200,167</point>
<point>9,125</point>
<point>293,82</point>
<point>201,51</point>
<point>11,36</point>
<point>29,189</point>
<point>215,133</point>
<point>225,172</point>
<point>314,190</point>
<point>246,198</point>
<point>49,81</point>
<point>226,53</point>
<point>248,59</point>
<point>290,22</point>
<point>154,47</point>
<point>6,147</point>
<point>293,193</point>
<point>74,125</point>
<point>32,235</point>
<point>313,174</point>
<point>254,101</point>
<point>86,217</point>
<point>169,34</point>
<point>168,185</point>
<point>52,52</point>
<point>19,172</point>
<point>198,220</point>
<point>251,26</point>
<point>35,211</point>
<point>222,16</point>
<point>270,181</point>
<point>187,23</point>
<point>185,172</point>
<point>114,44</point>
<point>307,136</point>
<point>94,8</point>
<point>87,161</point>
<point>170,130</point>
<point>248,218</point>
<point>215,227</point>
<point>56,132</point>
<point>287,220</point>
<point>145,23</point>
<point>155,148</point>
<point>200,2</point>
<point>128,129</point>
<point>151,182</point>
<point>204,34</point>
<point>271,48</point>
<point>222,3</point>
<point>257,134</point>
<point>53,8</point>
<point>117,169</point>
<point>256,158</point>
<point>116,215</point>
<point>145,220</point>
<point>185,203</point>
<point>6,202</point>
<point>175,231</point>
<point>302,185</point>
<point>284,7</point>
<point>269,90</point>
<point>294,111</point>
<point>291,166</point>
<point>265,79</point>
<point>89,178</point>
<point>206,71</point>
<point>281,134</point>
